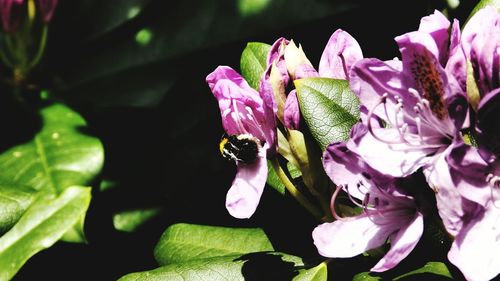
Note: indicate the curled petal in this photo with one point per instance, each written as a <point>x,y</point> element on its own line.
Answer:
<point>244,195</point>
<point>437,26</point>
<point>402,243</point>
<point>340,54</point>
<point>475,250</point>
<point>292,111</point>
<point>350,237</point>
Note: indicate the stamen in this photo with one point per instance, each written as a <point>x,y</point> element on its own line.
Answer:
<point>332,203</point>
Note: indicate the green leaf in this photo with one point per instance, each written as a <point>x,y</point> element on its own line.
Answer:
<point>130,220</point>
<point>14,200</point>
<point>59,156</point>
<point>256,266</point>
<point>294,171</point>
<point>317,273</point>
<point>44,223</point>
<point>253,62</point>
<point>183,242</point>
<point>329,108</point>
<point>435,268</point>
<point>365,276</point>
<point>273,180</point>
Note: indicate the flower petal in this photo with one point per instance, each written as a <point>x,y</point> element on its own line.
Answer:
<point>340,54</point>
<point>350,237</point>
<point>244,195</point>
<point>453,208</point>
<point>390,156</point>
<point>402,243</point>
<point>469,173</point>
<point>437,26</point>
<point>370,79</point>
<point>292,112</point>
<point>475,250</point>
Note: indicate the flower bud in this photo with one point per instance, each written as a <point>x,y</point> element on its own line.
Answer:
<point>295,58</point>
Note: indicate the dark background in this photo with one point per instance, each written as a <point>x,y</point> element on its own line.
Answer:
<point>161,149</point>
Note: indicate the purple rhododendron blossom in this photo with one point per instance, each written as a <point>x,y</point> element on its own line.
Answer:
<point>421,103</point>
<point>387,212</point>
<point>244,112</point>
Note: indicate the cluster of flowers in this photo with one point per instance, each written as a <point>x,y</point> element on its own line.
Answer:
<point>433,112</point>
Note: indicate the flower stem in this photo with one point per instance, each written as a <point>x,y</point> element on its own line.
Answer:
<point>294,191</point>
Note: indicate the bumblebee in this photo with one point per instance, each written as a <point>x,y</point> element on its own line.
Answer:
<point>240,148</point>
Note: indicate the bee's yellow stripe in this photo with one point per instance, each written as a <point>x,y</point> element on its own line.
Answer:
<point>222,144</point>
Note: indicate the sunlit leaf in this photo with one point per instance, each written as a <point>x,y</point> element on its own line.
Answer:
<point>317,273</point>
<point>14,200</point>
<point>59,156</point>
<point>44,223</point>
<point>253,62</point>
<point>183,242</point>
<point>329,108</point>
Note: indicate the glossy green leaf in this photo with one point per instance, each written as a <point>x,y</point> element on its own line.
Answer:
<point>317,273</point>
<point>183,242</point>
<point>434,268</point>
<point>44,223</point>
<point>130,220</point>
<point>273,180</point>
<point>329,108</point>
<point>256,266</point>
<point>59,156</point>
<point>253,62</point>
<point>14,200</point>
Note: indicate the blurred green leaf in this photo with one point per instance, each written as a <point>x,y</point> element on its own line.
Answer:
<point>102,17</point>
<point>130,220</point>
<point>44,223</point>
<point>112,70</point>
<point>253,62</point>
<point>183,242</point>
<point>318,273</point>
<point>329,108</point>
<point>59,156</point>
<point>14,200</point>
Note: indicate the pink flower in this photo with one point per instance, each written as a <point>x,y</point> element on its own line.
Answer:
<point>245,114</point>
